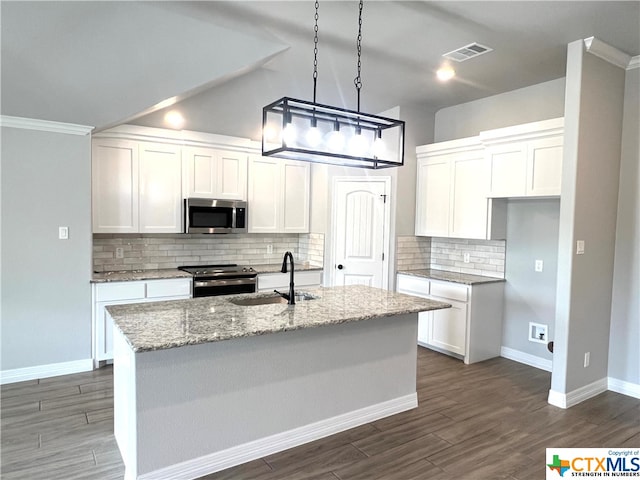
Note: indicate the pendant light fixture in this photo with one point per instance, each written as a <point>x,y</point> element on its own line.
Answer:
<point>313,132</point>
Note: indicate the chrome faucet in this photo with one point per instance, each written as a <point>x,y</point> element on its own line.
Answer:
<point>292,295</point>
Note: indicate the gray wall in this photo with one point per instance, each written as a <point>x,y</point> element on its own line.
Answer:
<point>530,296</point>
<point>530,104</point>
<point>624,354</point>
<point>590,177</point>
<point>46,295</point>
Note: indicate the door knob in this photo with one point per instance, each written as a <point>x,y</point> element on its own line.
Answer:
<point>340,267</point>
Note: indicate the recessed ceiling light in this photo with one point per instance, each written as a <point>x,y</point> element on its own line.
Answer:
<point>445,73</point>
<point>174,119</point>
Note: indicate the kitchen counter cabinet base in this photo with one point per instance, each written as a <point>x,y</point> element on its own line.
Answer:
<point>471,330</point>
<point>190,411</point>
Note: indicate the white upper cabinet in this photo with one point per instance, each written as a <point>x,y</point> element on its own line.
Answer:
<point>160,188</point>
<point>114,179</point>
<point>544,166</point>
<point>137,187</point>
<point>295,189</point>
<point>215,174</point>
<point>264,207</point>
<point>451,194</point>
<point>469,204</point>
<point>433,190</point>
<point>525,160</point>
<point>141,175</point>
<point>278,195</point>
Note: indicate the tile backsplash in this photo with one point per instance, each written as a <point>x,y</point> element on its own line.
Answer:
<point>486,257</point>
<point>145,252</point>
<point>413,252</point>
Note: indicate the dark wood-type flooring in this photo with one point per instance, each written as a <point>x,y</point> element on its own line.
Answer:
<point>485,421</point>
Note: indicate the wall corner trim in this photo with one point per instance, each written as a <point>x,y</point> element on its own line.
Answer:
<point>45,371</point>
<point>567,400</point>
<point>526,358</point>
<point>607,52</point>
<point>634,63</point>
<point>624,387</point>
<point>44,125</point>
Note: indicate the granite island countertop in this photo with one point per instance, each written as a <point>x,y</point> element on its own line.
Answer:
<point>455,277</point>
<point>171,324</point>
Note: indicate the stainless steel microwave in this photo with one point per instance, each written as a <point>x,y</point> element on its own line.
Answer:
<point>204,215</point>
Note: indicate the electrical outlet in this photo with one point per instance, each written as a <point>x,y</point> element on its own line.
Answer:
<point>466,258</point>
<point>587,358</point>
<point>539,265</point>
<point>269,249</point>
<point>119,252</point>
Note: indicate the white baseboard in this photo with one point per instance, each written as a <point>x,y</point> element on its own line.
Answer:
<point>567,400</point>
<point>237,455</point>
<point>624,387</point>
<point>45,371</point>
<point>526,358</point>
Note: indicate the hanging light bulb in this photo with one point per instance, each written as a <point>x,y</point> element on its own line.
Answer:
<point>290,132</point>
<point>378,145</point>
<point>358,144</point>
<point>313,135</point>
<point>335,139</point>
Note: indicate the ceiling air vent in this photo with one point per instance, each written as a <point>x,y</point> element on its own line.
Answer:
<point>467,52</point>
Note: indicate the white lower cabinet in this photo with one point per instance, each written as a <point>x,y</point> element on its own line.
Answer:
<point>471,329</point>
<point>119,293</point>
<point>305,278</point>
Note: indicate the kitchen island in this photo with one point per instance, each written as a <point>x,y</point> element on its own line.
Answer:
<point>203,384</point>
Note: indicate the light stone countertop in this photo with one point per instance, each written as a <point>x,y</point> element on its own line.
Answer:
<point>135,275</point>
<point>275,268</point>
<point>171,324</point>
<point>168,273</point>
<point>455,277</point>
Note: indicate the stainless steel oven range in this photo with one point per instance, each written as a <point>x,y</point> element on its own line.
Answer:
<point>211,280</point>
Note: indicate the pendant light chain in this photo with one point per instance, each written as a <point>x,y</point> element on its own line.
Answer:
<point>315,53</point>
<point>358,80</point>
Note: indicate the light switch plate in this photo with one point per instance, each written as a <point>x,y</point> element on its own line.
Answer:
<point>539,265</point>
<point>580,247</point>
<point>63,233</point>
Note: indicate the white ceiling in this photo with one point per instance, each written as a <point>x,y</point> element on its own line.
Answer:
<point>103,63</point>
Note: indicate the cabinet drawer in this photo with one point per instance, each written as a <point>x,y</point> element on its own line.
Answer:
<point>450,290</point>
<point>119,291</point>
<point>169,288</point>
<point>412,285</point>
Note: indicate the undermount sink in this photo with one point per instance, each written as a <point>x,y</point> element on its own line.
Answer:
<point>248,302</point>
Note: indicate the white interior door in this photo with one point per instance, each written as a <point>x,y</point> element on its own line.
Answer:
<point>361,216</point>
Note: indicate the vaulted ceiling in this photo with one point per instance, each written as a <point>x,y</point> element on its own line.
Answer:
<point>220,62</point>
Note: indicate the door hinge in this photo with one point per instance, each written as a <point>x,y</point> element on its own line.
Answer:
<point>384,198</point>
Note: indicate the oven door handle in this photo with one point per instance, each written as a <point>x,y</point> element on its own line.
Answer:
<point>223,283</point>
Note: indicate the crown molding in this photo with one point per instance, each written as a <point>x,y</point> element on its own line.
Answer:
<point>607,52</point>
<point>634,63</point>
<point>188,138</point>
<point>44,125</point>
<point>525,131</point>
